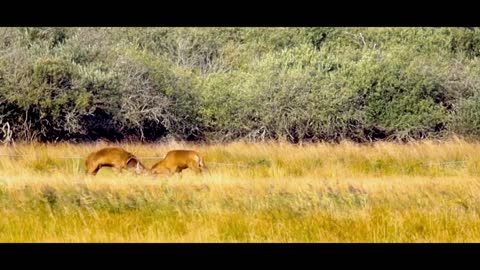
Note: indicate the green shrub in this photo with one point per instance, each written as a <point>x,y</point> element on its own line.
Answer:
<point>220,84</point>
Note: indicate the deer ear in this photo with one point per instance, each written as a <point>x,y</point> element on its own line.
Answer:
<point>131,159</point>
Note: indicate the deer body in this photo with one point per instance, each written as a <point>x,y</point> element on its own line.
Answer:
<point>114,157</point>
<point>178,160</point>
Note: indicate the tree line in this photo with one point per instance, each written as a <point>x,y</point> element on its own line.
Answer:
<point>222,84</point>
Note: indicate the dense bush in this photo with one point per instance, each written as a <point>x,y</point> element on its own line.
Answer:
<point>219,84</point>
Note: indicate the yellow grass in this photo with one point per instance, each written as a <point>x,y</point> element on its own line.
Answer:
<point>264,192</point>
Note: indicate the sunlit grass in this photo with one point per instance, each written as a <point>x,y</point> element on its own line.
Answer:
<point>263,192</point>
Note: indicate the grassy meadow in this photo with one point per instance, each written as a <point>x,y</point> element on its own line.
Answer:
<point>255,192</point>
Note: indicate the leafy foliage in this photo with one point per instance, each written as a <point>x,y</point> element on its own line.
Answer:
<point>220,84</point>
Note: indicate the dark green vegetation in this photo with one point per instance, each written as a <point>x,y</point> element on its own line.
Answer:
<point>220,84</point>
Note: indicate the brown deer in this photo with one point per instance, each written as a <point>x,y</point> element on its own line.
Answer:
<point>178,160</point>
<point>114,157</point>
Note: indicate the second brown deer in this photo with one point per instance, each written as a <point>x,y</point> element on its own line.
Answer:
<point>176,161</point>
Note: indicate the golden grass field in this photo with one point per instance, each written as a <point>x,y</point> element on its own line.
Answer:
<point>259,192</point>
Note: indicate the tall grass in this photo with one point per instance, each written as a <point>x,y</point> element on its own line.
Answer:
<point>263,192</point>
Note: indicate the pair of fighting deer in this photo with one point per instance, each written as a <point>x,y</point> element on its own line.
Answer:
<point>118,158</point>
